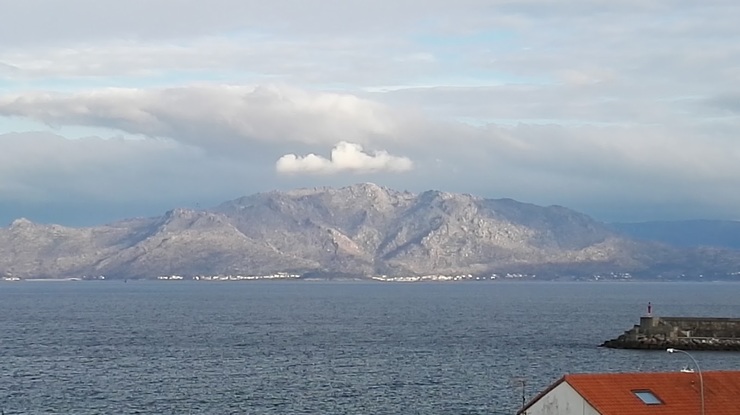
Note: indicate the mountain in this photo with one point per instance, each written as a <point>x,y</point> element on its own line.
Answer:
<point>686,233</point>
<point>361,231</point>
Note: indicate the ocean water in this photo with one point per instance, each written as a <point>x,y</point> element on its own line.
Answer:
<point>166,347</point>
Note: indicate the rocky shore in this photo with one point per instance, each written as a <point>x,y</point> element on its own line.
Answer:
<point>660,342</point>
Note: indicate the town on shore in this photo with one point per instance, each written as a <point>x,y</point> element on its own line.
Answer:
<point>380,278</point>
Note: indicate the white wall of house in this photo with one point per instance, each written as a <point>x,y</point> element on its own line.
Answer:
<point>562,400</point>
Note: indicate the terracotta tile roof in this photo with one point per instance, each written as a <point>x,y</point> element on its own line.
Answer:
<point>613,394</point>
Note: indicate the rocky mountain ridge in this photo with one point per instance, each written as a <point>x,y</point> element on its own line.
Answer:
<point>361,230</point>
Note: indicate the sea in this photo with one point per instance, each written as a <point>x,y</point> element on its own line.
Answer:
<point>300,347</point>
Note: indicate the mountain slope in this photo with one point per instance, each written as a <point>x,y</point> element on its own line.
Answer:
<point>360,230</point>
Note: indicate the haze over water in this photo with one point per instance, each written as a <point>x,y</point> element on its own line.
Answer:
<point>323,348</point>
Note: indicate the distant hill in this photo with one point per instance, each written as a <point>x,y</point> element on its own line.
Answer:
<point>362,230</point>
<point>686,234</point>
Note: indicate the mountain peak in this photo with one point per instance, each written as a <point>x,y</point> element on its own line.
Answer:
<point>366,187</point>
<point>21,223</point>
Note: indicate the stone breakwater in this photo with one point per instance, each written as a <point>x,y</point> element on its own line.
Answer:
<point>686,333</point>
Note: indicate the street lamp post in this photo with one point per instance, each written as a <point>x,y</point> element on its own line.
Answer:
<point>698,369</point>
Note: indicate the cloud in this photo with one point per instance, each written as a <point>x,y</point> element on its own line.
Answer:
<point>605,162</point>
<point>345,157</point>
<point>725,102</point>
<point>262,58</point>
<point>222,118</point>
<point>114,169</point>
<point>379,43</point>
<point>91,180</point>
<point>620,108</point>
<point>8,70</point>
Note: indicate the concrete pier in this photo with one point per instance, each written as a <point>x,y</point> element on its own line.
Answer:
<point>687,333</point>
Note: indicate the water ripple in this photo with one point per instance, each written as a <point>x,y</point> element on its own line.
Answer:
<point>302,348</point>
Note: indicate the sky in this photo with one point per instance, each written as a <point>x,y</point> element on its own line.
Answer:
<point>626,111</point>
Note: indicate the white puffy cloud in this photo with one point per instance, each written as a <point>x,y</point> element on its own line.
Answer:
<point>345,157</point>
